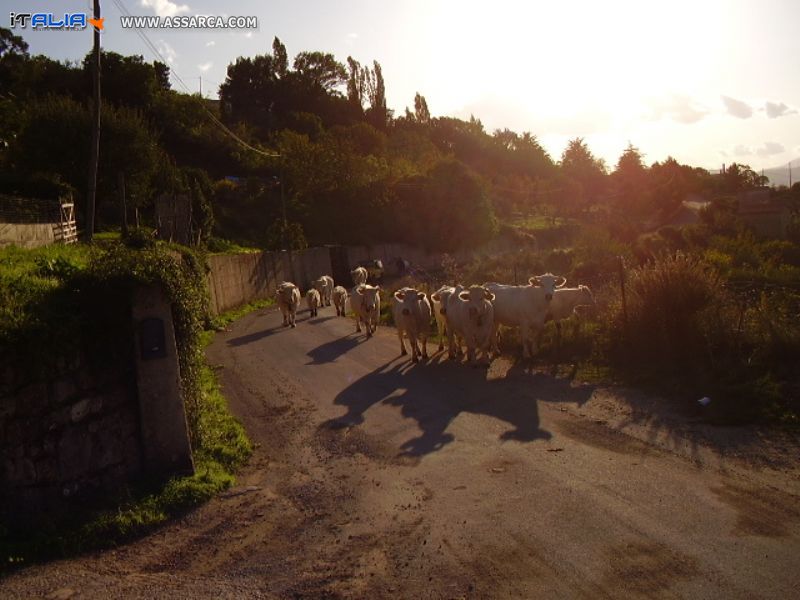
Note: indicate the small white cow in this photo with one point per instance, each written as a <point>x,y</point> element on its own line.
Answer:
<point>359,275</point>
<point>524,306</point>
<point>412,317</point>
<point>565,302</point>
<point>340,300</point>
<point>324,285</point>
<point>288,297</point>
<point>365,302</point>
<point>470,314</point>
<point>313,300</point>
<point>439,300</point>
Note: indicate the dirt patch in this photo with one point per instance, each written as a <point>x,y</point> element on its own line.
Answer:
<point>645,568</point>
<point>763,511</point>
<point>338,440</point>
<point>596,433</point>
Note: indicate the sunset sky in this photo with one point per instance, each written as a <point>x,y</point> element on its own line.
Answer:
<point>706,81</point>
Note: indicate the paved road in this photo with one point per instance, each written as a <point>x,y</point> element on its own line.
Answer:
<point>376,478</point>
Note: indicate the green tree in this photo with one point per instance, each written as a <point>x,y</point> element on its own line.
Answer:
<point>580,165</point>
<point>448,209</point>
<point>630,180</point>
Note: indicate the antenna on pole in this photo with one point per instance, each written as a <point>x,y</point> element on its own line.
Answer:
<point>790,173</point>
<point>201,85</point>
<point>94,149</point>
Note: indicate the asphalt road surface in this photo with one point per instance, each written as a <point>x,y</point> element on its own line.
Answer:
<point>376,478</point>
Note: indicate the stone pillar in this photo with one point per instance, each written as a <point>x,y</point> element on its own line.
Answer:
<point>165,434</point>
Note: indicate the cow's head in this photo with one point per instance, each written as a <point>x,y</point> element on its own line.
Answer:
<point>370,300</point>
<point>549,283</point>
<point>406,295</point>
<point>480,302</point>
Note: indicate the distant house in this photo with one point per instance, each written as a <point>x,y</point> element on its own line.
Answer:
<point>686,213</point>
<point>766,216</point>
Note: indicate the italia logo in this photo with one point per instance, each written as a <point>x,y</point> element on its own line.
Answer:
<point>41,21</point>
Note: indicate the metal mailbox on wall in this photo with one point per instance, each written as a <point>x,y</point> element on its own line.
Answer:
<point>152,341</point>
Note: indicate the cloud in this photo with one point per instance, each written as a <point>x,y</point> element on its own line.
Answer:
<point>778,110</point>
<point>770,148</point>
<point>767,149</point>
<point>677,107</point>
<point>737,108</point>
<point>205,66</point>
<point>164,8</point>
<point>210,44</point>
<point>350,39</point>
<point>167,51</point>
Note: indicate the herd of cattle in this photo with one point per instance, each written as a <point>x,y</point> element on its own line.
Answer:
<point>466,316</point>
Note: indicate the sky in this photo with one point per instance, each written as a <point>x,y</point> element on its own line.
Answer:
<point>708,82</point>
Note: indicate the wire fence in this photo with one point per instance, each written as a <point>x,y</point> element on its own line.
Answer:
<point>15,209</point>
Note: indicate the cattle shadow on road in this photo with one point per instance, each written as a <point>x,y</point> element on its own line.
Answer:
<point>435,393</point>
<point>255,336</point>
<point>330,351</point>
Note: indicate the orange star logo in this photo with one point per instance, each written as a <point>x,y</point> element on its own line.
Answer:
<point>98,23</point>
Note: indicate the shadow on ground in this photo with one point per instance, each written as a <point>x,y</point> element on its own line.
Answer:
<point>435,392</point>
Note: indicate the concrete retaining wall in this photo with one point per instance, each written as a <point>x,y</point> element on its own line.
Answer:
<point>236,279</point>
<point>27,235</point>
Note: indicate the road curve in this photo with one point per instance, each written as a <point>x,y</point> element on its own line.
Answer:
<point>377,478</point>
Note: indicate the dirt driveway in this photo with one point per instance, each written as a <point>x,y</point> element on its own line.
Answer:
<point>376,478</point>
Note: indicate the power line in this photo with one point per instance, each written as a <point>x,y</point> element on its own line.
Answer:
<point>143,36</point>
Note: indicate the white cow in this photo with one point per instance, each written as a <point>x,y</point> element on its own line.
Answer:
<point>365,301</point>
<point>359,275</point>
<point>470,314</point>
<point>313,299</point>
<point>524,306</point>
<point>439,300</point>
<point>340,300</point>
<point>412,316</point>
<point>565,302</point>
<point>324,285</point>
<point>288,297</point>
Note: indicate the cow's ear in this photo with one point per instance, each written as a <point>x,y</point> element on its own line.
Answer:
<point>464,296</point>
<point>360,290</point>
<point>489,296</point>
<point>420,295</point>
<point>436,297</point>
<point>534,281</point>
<point>399,295</point>
<point>563,282</point>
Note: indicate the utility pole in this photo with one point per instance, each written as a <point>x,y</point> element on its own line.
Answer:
<point>94,150</point>
<point>201,85</point>
<point>790,173</point>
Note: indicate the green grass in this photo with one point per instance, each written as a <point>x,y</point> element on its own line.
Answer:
<point>539,222</point>
<point>225,319</point>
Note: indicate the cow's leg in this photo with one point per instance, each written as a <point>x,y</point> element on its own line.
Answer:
<point>358,323</point>
<point>440,330</point>
<point>451,345</point>
<point>414,348</point>
<point>524,332</point>
<point>425,346</point>
<point>403,350</point>
<point>494,340</point>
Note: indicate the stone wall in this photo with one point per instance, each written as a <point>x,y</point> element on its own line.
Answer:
<point>64,438</point>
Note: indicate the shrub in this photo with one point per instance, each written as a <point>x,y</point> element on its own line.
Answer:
<point>663,325</point>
